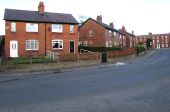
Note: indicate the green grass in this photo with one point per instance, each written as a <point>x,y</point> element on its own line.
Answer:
<point>25,60</point>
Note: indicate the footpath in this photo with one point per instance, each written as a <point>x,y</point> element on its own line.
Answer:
<point>18,71</point>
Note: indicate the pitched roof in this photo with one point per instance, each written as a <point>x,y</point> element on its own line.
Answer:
<point>102,24</point>
<point>35,16</point>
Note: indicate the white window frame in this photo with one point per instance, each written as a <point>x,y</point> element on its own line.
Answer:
<point>13,27</point>
<point>31,27</point>
<point>57,41</point>
<point>90,33</point>
<point>71,28</point>
<point>57,28</point>
<point>34,47</point>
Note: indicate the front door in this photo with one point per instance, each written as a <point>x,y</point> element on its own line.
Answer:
<point>158,46</point>
<point>71,46</point>
<point>13,49</point>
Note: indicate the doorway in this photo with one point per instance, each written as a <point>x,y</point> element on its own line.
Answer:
<point>13,48</point>
<point>72,46</point>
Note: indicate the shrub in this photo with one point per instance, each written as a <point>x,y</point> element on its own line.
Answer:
<point>25,60</point>
<point>99,49</point>
<point>140,49</point>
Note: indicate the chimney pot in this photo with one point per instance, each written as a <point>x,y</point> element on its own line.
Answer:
<point>99,18</point>
<point>150,33</point>
<point>123,28</point>
<point>41,7</point>
<point>112,25</point>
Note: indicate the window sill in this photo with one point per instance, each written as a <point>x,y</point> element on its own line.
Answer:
<point>13,32</point>
<point>32,50</point>
<point>31,32</point>
<point>73,33</point>
<point>57,33</point>
<point>57,49</point>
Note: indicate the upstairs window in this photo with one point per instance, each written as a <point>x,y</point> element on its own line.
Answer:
<point>31,27</point>
<point>13,27</point>
<point>90,33</point>
<point>71,28</point>
<point>57,44</point>
<point>31,44</point>
<point>57,28</point>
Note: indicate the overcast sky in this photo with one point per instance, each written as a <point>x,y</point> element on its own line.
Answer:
<point>142,16</point>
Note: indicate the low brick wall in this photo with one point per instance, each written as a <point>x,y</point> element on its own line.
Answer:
<point>79,57</point>
<point>94,56</point>
<point>112,54</point>
<point>89,56</point>
<point>68,57</point>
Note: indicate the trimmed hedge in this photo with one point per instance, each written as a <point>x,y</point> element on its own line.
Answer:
<point>99,49</point>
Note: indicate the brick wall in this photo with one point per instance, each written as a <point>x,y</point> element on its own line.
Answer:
<point>89,56</point>
<point>78,57</point>
<point>127,52</point>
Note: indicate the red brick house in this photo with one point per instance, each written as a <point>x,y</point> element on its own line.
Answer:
<point>36,32</point>
<point>98,34</point>
<point>129,38</point>
<point>158,40</point>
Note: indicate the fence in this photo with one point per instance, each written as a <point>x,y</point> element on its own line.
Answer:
<point>56,57</point>
<point>52,55</point>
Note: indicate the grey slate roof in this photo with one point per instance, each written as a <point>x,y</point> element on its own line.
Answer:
<point>35,16</point>
<point>107,26</point>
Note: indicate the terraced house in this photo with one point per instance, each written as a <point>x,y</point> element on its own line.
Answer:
<point>36,32</point>
<point>158,40</point>
<point>98,34</point>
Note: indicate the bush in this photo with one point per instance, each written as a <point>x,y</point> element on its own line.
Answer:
<point>2,43</point>
<point>140,49</point>
<point>99,49</point>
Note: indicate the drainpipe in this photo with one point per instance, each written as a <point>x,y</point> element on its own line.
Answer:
<point>45,39</point>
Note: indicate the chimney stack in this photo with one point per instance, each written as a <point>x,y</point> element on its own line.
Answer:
<point>99,18</point>
<point>123,28</point>
<point>41,7</point>
<point>112,25</point>
<point>132,32</point>
<point>150,33</point>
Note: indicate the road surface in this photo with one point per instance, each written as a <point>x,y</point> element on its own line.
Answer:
<point>137,85</point>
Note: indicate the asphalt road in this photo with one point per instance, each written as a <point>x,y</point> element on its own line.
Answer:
<point>137,85</point>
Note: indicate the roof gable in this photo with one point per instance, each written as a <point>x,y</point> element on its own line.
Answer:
<point>102,24</point>
<point>35,16</point>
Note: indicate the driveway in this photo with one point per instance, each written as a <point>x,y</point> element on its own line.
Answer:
<point>138,85</point>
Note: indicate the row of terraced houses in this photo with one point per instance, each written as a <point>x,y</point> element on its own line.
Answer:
<point>36,32</point>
